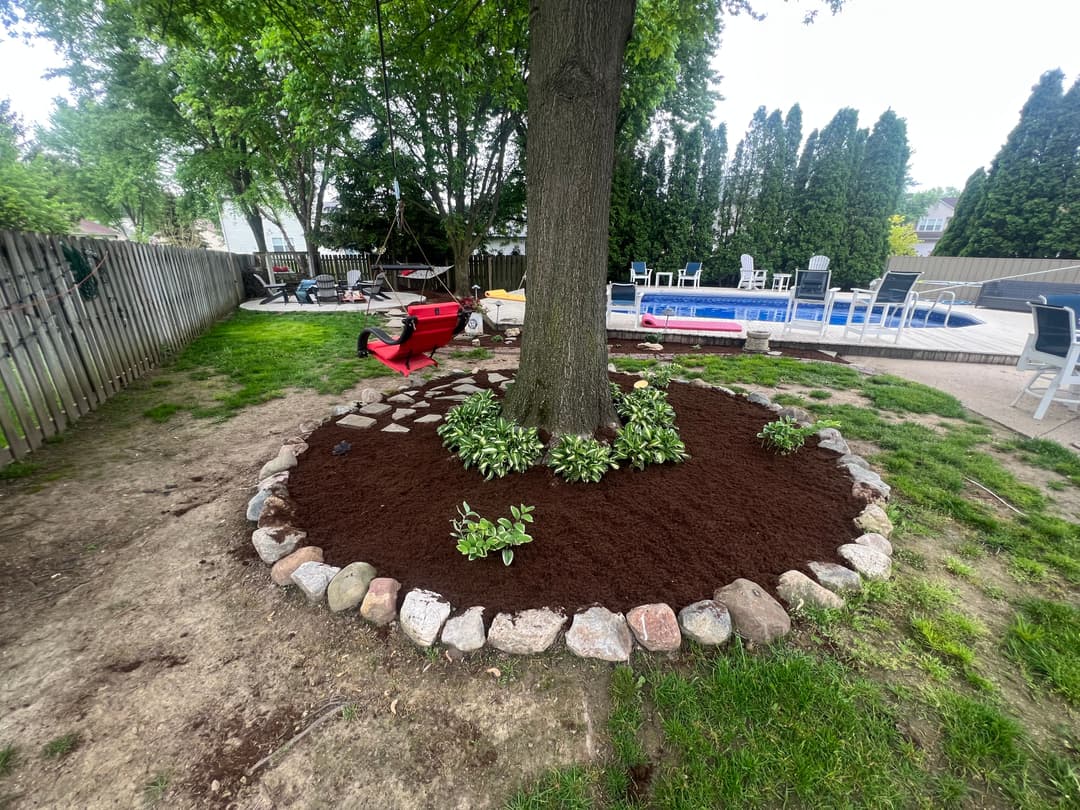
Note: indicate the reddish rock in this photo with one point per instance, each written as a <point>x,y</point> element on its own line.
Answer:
<point>655,627</point>
<point>283,569</point>
<point>380,601</point>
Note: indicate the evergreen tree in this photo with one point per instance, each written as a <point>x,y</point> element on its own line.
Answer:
<point>703,241</point>
<point>821,224</point>
<point>766,217</point>
<point>958,232</point>
<point>879,184</point>
<point>1019,203</point>
<point>741,189</point>
<point>1062,238</point>
<point>682,197</point>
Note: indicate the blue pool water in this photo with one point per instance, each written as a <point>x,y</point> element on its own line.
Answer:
<point>740,308</point>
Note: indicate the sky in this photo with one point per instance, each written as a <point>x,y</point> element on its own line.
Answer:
<point>958,71</point>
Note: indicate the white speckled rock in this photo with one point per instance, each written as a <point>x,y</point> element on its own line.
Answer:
<point>525,633</point>
<point>876,542</point>
<point>868,562</point>
<point>756,616</point>
<point>255,505</point>
<point>706,622</point>
<point>465,633</point>
<point>599,633</point>
<point>313,578</point>
<point>276,542</point>
<point>422,615</point>
<point>798,590</point>
<point>655,627</point>
<point>874,519</point>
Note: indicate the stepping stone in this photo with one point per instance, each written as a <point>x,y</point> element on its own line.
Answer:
<point>525,633</point>
<point>599,633</point>
<point>868,562</point>
<point>876,542</point>
<point>655,627</point>
<point>428,419</point>
<point>343,410</point>
<point>356,421</point>
<point>380,602</point>
<point>757,617</point>
<point>410,393</point>
<point>797,589</point>
<point>313,578</point>
<point>375,409</point>
<point>422,616</point>
<point>400,399</point>
<point>402,413</point>
<point>348,589</point>
<point>836,577</point>
<point>282,572</point>
<point>455,397</point>
<point>874,519</point>
<point>467,389</point>
<point>422,404</point>
<point>465,633</point>
<point>706,622</point>
<point>395,429</point>
<point>276,542</point>
<point>495,377</point>
<point>369,395</point>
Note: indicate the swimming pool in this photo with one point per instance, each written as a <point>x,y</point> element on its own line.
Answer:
<point>750,308</point>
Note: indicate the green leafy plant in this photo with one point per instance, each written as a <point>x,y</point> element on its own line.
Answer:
<point>642,443</point>
<point>646,406</point>
<point>661,376</point>
<point>465,419</point>
<point>579,458</point>
<point>499,447</point>
<point>477,536</point>
<point>785,435</point>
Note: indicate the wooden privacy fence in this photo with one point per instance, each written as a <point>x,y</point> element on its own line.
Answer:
<point>487,272</point>
<point>80,319</point>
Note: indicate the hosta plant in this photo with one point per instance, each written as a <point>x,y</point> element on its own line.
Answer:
<point>580,458</point>
<point>477,536</point>
<point>465,419</point>
<point>646,406</point>
<point>643,443</point>
<point>498,447</point>
<point>661,376</point>
<point>785,435</point>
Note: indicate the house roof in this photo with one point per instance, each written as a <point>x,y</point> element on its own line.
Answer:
<point>950,201</point>
<point>87,227</point>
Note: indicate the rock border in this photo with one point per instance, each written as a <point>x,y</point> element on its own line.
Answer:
<point>426,618</point>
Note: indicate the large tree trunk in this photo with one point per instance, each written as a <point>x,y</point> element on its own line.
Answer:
<point>574,80</point>
<point>462,249</point>
<point>255,222</point>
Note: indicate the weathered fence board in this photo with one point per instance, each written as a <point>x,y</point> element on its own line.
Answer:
<point>63,353</point>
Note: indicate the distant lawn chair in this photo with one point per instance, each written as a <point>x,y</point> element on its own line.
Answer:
<point>691,273</point>
<point>818,262</point>
<point>891,298</point>
<point>1052,350</point>
<point>624,298</point>
<point>376,288</point>
<point>272,290</point>
<point>749,278</point>
<point>326,290</point>
<point>813,291</point>
<point>639,272</point>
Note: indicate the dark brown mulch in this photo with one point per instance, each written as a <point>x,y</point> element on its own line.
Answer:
<point>672,533</point>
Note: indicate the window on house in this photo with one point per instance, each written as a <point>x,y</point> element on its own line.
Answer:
<point>277,244</point>
<point>931,224</point>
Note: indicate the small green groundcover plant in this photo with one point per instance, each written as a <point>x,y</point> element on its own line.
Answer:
<point>477,536</point>
<point>785,435</point>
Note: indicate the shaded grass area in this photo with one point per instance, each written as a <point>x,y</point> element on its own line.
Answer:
<point>259,356</point>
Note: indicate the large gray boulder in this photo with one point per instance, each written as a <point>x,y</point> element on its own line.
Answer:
<point>465,633</point>
<point>875,541</point>
<point>868,562</point>
<point>835,577</point>
<point>599,633</point>
<point>706,622</point>
<point>756,616</point>
<point>798,591</point>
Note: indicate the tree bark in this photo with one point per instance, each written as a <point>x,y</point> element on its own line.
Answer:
<point>574,82</point>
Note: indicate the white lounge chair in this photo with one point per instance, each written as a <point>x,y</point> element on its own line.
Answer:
<point>1052,350</point>
<point>892,297</point>
<point>639,272</point>
<point>690,274</point>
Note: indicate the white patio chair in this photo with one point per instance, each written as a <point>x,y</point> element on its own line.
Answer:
<point>749,278</point>
<point>812,290</point>
<point>1051,351</point>
<point>691,273</point>
<point>639,272</point>
<point>892,299</point>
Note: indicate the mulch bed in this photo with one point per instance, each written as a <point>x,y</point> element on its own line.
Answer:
<point>671,533</point>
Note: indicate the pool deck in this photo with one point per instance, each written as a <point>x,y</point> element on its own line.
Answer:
<point>998,340</point>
